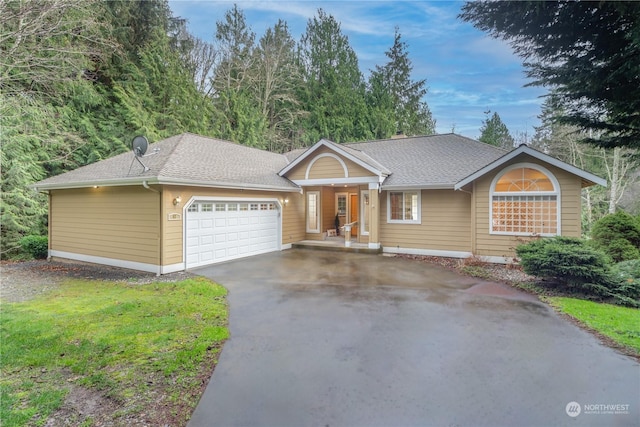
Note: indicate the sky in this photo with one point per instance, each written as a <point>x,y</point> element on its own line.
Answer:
<point>467,72</point>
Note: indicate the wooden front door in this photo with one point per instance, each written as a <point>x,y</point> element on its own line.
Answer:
<point>353,213</point>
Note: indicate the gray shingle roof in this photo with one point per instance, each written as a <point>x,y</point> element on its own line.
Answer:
<point>434,160</point>
<point>186,158</point>
<point>428,161</point>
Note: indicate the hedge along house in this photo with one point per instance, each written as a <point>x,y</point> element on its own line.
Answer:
<point>205,200</point>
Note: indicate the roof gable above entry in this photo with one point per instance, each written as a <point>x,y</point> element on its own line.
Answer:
<point>185,159</point>
<point>588,179</point>
<point>358,157</point>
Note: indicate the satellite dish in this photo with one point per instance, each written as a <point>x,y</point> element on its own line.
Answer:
<point>139,145</point>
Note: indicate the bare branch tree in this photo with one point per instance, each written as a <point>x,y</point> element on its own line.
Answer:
<point>45,42</point>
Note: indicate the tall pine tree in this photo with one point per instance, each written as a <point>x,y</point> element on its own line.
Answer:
<point>335,92</point>
<point>393,81</point>
<point>495,132</point>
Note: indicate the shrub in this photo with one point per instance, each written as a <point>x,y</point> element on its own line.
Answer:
<point>569,261</point>
<point>628,274</point>
<point>618,235</point>
<point>36,246</point>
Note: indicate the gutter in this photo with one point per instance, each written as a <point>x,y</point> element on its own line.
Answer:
<point>146,185</point>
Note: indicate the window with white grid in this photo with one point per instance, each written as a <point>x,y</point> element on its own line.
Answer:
<point>524,201</point>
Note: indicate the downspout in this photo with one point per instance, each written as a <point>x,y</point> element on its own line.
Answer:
<point>145,184</point>
<point>473,216</point>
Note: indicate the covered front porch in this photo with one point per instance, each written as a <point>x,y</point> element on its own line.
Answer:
<point>342,216</point>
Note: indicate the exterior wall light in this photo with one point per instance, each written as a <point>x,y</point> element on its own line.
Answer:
<point>177,201</point>
<point>286,202</point>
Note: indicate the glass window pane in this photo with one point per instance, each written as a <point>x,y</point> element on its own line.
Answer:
<point>523,180</point>
<point>312,212</point>
<point>395,199</point>
<point>525,214</point>
<point>365,212</point>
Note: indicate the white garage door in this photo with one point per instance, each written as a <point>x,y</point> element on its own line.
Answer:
<point>221,231</point>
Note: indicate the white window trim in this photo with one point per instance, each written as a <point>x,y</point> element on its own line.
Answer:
<point>363,206</point>
<point>556,192</point>
<point>404,221</point>
<point>318,209</point>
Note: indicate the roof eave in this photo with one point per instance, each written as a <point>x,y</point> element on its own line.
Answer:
<point>101,183</point>
<point>164,181</point>
<point>227,185</point>
<point>586,176</point>
<point>439,186</point>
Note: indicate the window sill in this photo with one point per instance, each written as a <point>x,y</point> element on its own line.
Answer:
<point>504,233</point>
<point>399,221</point>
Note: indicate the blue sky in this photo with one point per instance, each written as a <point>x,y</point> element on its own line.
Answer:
<point>467,72</point>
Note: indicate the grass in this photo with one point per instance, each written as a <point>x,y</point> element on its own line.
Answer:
<point>621,324</point>
<point>132,344</point>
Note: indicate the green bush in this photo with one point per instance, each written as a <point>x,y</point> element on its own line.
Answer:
<point>628,274</point>
<point>36,246</point>
<point>618,235</point>
<point>569,261</point>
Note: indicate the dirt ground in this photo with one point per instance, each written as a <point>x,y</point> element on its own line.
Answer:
<point>21,281</point>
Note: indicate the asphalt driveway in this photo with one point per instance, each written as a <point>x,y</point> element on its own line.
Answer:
<point>333,339</point>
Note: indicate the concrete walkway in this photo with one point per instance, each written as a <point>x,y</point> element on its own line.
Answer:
<point>327,339</point>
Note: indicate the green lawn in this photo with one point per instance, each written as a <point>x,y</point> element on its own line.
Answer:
<point>139,346</point>
<point>621,324</point>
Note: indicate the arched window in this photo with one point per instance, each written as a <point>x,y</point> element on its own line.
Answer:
<point>525,201</point>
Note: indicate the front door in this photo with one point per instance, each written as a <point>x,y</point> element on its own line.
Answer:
<point>353,213</point>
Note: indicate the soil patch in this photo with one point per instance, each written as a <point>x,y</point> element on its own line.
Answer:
<point>22,281</point>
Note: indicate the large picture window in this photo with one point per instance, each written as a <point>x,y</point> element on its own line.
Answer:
<point>524,201</point>
<point>313,212</point>
<point>403,207</point>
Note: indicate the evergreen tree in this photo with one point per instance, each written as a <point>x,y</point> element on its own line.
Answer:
<point>495,132</point>
<point>335,92</point>
<point>411,114</point>
<point>381,108</point>
<point>79,79</point>
<point>586,51</point>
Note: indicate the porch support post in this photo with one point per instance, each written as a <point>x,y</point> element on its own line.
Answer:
<point>374,216</point>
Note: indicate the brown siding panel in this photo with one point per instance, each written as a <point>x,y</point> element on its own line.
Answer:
<point>326,167</point>
<point>112,222</point>
<point>446,223</point>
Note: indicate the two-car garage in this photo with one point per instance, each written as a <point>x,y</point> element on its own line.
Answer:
<point>222,230</point>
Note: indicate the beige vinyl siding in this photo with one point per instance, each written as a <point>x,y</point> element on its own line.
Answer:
<point>326,167</point>
<point>293,227</point>
<point>503,245</point>
<point>112,222</point>
<point>445,223</point>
